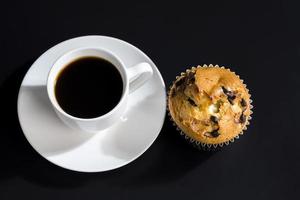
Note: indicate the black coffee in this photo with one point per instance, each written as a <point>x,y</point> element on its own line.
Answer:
<point>88,87</point>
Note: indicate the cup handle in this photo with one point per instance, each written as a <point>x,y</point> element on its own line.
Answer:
<point>138,75</point>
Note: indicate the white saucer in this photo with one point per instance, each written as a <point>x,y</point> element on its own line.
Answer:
<point>79,151</point>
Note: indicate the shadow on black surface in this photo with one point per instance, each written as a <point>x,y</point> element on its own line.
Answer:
<point>18,158</point>
<point>13,146</point>
<point>169,158</point>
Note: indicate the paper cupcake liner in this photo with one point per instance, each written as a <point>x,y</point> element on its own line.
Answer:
<point>201,145</point>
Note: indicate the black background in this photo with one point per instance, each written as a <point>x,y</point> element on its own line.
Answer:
<point>258,41</point>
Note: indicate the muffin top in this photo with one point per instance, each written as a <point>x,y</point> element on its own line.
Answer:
<point>209,104</point>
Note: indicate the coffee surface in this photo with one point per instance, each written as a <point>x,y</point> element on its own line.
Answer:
<point>88,87</point>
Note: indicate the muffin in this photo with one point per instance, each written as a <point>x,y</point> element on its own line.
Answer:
<point>210,105</point>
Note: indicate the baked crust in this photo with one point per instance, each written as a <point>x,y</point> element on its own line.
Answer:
<point>210,104</point>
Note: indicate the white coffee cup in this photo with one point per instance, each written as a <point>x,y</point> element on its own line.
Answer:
<point>133,78</point>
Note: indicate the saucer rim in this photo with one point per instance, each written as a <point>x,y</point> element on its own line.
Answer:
<point>92,37</point>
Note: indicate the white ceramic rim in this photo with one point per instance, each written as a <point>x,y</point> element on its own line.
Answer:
<point>123,74</point>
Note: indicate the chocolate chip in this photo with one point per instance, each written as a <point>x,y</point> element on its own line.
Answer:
<point>191,101</point>
<point>242,118</point>
<point>231,99</point>
<point>243,103</point>
<point>190,78</point>
<point>225,90</point>
<point>214,119</point>
<point>230,95</point>
<point>193,79</point>
<point>179,82</point>
<point>215,133</point>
